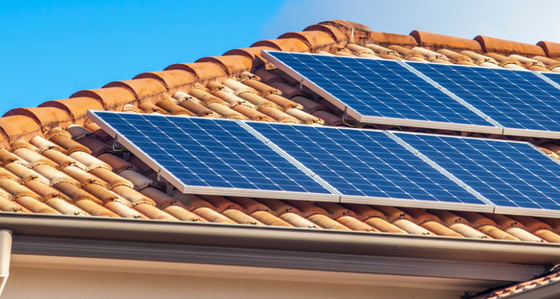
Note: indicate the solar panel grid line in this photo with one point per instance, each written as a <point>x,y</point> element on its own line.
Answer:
<point>288,157</point>
<point>442,170</point>
<point>524,104</point>
<point>204,156</point>
<point>547,79</point>
<point>363,164</point>
<point>386,120</point>
<point>516,176</point>
<point>532,212</point>
<point>409,66</point>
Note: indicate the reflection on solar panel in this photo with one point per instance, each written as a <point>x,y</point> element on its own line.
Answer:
<point>380,91</point>
<point>511,174</point>
<point>208,156</point>
<point>367,166</point>
<point>518,100</point>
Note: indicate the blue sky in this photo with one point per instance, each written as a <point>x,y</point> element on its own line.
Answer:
<point>51,49</point>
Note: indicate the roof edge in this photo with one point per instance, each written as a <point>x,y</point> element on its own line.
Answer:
<point>279,238</point>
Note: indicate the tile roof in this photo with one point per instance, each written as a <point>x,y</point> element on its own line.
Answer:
<point>54,160</point>
<point>528,287</point>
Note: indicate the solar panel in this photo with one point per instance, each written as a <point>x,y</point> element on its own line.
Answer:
<point>520,101</point>
<point>380,91</point>
<point>284,161</point>
<point>209,156</point>
<point>367,166</point>
<point>517,177</point>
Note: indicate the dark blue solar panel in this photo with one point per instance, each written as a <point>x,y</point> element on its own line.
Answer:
<point>364,163</point>
<point>380,88</point>
<point>515,99</point>
<point>210,153</point>
<point>510,174</point>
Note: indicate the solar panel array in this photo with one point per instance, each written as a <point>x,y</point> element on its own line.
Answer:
<point>208,153</point>
<point>364,163</point>
<point>379,88</point>
<point>236,158</point>
<point>515,99</point>
<point>508,173</point>
<point>471,99</point>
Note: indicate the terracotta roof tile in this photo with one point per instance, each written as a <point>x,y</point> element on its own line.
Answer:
<point>337,35</point>
<point>146,89</point>
<point>284,44</point>
<point>45,117</point>
<point>387,39</point>
<point>356,33</point>
<point>506,47</point>
<point>253,53</point>
<point>113,98</point>
<point>434,42</point>
<point>173,80</point>
<point>552,50</point>
<point>16,127</point>
<point>233,65</point>
<point>204,72</point>
<point>519,288</point>
<point>315,40</point>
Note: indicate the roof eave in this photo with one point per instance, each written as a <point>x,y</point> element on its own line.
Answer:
<point>280,238</point>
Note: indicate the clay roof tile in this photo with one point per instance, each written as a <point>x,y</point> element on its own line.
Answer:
<point>75,107</point>
<point>233,65</point>
<point>204,71</point>
<point>15,127</point>
<point>356,33</point>
<point>315,40</point>
<point>552,50</point>
<point>173,80</point>
<point>254,54</point>
<point>434,42</point>
<point>340,38</point>
<point>284,44</point>
<point>507,47</point>
<point>146,89</point>
<point>112,98</point>
<point>45,117</point>
<point>387,39</point>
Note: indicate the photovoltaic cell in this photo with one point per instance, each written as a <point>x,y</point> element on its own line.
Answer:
<point>364,163</point>
<point>515,99</point>
<point>379,88</point>
<point>508,173</point>
<point>206,152</point>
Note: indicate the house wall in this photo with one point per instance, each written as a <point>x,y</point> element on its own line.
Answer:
<point>66,283</point>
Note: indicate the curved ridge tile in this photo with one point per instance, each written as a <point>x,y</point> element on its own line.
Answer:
<point>315,40</point>
<point>254,54</point>
<point>233,65</point>
<point>551,49</point>
<point>76,107</point>
<point>112,98</point>
<point>340,38</point>
<point>507,47</point>
<point>147,89</point>
<point>46,117</point>
<point>284,44</point>
<point>205,72</point>
<point>356,33</point>
<point>16,127</point>
<point>173,80</point>
<point>434,42</point>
